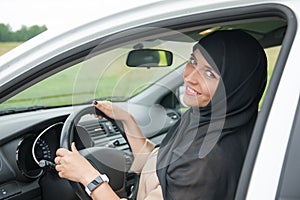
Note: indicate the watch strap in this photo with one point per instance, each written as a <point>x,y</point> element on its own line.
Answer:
<point>95,183</point>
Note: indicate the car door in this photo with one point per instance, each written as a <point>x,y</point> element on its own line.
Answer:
<point>272,24</point>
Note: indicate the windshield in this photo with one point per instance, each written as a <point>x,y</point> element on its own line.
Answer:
<point>104,76</point>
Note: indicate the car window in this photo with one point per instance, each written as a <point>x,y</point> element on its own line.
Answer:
<point>104,76</point>
<point>272,55</point>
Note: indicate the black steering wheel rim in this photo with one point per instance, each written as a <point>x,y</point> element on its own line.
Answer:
<point>120,161</point>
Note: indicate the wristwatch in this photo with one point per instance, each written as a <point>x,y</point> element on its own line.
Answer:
<point>95,183</point>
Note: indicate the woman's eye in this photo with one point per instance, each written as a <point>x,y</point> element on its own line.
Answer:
<point>210,74</point>
<point>193,61</point>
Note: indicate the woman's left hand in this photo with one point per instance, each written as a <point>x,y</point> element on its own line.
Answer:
<point>73,166</point>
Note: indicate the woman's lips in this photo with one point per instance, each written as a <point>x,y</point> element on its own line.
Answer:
<point>190,91</point>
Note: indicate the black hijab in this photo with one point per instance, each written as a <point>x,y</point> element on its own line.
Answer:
<point>202,155</point>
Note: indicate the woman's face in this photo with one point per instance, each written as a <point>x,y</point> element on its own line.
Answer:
<point>201,81</point>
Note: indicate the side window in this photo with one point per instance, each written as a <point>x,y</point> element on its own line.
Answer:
<point>104,76</point>
<point>290,176</point>
<point>272,55</point>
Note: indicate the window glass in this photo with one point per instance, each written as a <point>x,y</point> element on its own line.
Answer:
<point>104,76</point>
<point>272,55</point>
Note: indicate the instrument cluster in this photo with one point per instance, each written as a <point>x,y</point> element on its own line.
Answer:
<point>32,149</point>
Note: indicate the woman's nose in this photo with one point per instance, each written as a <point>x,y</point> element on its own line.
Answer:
<point>191,75</point>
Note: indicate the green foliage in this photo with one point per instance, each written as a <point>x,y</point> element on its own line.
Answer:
<point>25,33</point>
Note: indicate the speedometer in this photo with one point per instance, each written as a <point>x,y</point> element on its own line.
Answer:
<point>45,144</point>
<point>41,150</point>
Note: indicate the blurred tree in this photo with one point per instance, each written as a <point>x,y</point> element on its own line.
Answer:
<point>35,30</point>
<point>5,32</point>
<point>21,35</point>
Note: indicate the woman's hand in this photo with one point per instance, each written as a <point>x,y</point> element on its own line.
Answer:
<point>134,134</point>
<point>112,111</point>
<point>73,166</point>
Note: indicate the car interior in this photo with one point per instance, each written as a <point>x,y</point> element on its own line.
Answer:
<point>51,108</point>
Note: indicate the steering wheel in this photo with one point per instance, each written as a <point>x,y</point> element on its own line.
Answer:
<point>110,161</point>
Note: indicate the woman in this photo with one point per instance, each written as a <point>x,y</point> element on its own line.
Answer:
<point>202,155</point>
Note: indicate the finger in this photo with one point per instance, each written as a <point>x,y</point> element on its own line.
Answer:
<point>57,160</point>
<point>60,174</point>
<point>95,102</point>
<point>73,147</point>
<point>104,105</point>
<point>58,168</point>
<point>62,151</point>
<point>105,108</point>
<point>107,104</point>
<point>99,117</point>
<point>98,106</point>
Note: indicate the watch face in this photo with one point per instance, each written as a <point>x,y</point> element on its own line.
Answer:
<point>95,183</point>
<point>97,180</point>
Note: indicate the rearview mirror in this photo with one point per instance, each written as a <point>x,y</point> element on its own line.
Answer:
<point>149,58</point>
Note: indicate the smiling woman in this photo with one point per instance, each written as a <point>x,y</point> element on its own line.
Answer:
<point>201,80</point>
<point>53,78</point>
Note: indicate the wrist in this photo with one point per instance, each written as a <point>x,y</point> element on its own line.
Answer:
<point>87,178</point>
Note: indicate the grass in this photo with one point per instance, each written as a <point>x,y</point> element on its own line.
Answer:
<point>7,46</point>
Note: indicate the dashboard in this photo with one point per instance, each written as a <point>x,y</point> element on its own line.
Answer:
<point>34,136</point>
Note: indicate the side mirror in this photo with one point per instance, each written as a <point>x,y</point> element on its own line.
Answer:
<point>149,58</point>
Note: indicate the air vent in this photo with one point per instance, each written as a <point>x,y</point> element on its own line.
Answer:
<point>95,129</point>
<point>116,129</point>
<point>102,132</point>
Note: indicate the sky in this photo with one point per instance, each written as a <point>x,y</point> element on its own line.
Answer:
<point>56,14</point>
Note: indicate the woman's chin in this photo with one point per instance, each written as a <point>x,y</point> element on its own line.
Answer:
<point>194,101</point>
<point>189,101</point>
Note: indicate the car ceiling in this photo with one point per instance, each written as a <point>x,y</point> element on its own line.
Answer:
<point>269,33</point>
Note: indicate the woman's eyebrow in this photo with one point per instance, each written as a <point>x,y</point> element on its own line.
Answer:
<point>206,66</point>
<point>209,67</point>
<point>194,57</point>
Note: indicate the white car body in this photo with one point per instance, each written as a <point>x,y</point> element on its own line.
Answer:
<point>264,179</point>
